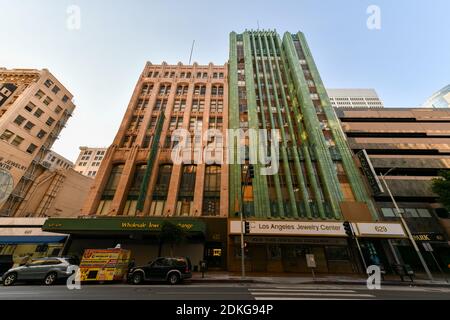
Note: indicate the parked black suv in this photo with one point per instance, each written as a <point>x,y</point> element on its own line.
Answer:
<point>172,270</point>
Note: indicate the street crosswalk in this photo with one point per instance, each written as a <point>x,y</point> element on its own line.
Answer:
<point>307,293</point>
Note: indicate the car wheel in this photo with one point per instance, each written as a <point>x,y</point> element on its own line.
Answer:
<point>173,278</point>
<point>10,279</point>
<point>50,279</point>
<point>138,278</point>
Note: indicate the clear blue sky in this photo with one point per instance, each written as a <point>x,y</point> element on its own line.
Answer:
<point>406,61</point>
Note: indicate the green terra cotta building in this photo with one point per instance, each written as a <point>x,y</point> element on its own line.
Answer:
<point>274,83</point>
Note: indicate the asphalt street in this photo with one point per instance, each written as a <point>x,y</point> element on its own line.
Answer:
<point>213,291</point>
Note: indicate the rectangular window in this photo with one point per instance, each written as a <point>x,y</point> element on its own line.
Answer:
<point>47,101</point>
<point>388,212</point>
<point>56,89</point>
<point>48,83</point>
<point>17,141</point>
<point>30,106</point>
<point>65,99</point>
<point>38,113</point>
<point>6,136</point>
<point>58,110</point>
<point>31,148</point>
<point>50,121</point>
<point>39,94</point>
<point>41,134</point>
<point>424,213</point>
<point>29,125</point>
<point>19,120</point>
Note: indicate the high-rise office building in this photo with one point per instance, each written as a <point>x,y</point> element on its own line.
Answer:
<point>131,181</point>
<point>440,99</point>
<point>275,85</point>
<point>34,107</point>
<point>411,146</point>
<point>354,98</point>
<point>89,160</point>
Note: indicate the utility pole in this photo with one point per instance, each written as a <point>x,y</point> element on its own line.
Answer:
<point>411,238</point>
<point>239,207</point>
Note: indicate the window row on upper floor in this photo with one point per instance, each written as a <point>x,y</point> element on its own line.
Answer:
<point>147,88</point>
<point>185,74</point>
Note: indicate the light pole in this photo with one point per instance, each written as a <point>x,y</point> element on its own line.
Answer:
<point>411,238</point>
<point>241,209</point>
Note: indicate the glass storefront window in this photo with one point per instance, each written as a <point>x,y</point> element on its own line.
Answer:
<point>274,252</point>
<point>411,213</point>
<point>337,253</point>
<point>424,213</point>
<point>388,212</point>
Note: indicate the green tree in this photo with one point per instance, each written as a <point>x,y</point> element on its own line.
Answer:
<point>170,234</point>
<point>441,186</point>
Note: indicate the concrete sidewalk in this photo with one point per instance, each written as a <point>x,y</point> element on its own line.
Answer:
<point>226,277</point>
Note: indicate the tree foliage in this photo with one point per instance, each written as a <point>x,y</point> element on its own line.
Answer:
<point>170,234</point>
<point>441,186</point>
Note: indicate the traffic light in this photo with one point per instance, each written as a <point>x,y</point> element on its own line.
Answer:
<point>251,171</point>
<point>247,227</point>
<point>348,229</point>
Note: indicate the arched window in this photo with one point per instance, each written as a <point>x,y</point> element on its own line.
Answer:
<point>182,89</point>
<point>217,90</point>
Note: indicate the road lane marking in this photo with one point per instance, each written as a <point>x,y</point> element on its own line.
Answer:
<point>291,298</point>
<point>301,290</point>
<point>314,294</point>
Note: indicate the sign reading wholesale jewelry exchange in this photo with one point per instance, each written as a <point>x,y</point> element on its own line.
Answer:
<point>119,224</point>
<point>318,228</point>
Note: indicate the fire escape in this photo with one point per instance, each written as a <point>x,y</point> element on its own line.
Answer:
<point>37,167</point>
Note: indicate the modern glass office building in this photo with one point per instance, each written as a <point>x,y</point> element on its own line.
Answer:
<point>440,99</point>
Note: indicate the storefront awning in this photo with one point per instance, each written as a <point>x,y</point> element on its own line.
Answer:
<point>25,239</point>
<point>120,225</point>
<point>28,235</point>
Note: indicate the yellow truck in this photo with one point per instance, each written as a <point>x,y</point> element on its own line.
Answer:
<point>104,264</point>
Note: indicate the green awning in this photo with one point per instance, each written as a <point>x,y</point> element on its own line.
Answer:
<point>120,224</point>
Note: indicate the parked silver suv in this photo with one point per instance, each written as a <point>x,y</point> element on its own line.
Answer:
<point>48,270</point>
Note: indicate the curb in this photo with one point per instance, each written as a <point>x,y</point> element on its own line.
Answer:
<point>319,282</point>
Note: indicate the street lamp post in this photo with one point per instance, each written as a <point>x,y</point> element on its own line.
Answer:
<point>411,238</point>
<point>241,209</point>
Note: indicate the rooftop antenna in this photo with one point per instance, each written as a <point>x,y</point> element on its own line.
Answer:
<point>192,49</point>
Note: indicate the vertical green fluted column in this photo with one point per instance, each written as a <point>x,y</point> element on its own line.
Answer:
<point>235,197</point>
<point>284,145</point>
<point>300,177</point>
<point>348,162</point>
<point>325,164</point>
<point>264,124</point>
<point>272,123</point>
<point>303,136</point>
<point>260,189</point>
